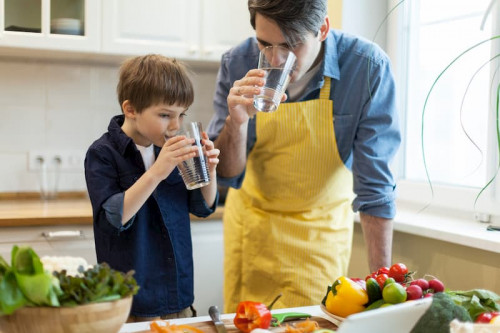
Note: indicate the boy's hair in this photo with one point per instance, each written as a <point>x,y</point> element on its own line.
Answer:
<point>153,79</point>
<point>296,18</point>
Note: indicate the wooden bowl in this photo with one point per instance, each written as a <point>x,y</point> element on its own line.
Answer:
<point>95,318</point>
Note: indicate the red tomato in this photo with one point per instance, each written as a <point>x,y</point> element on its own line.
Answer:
<point>372,275</point>
<point>381,280</point>
<point>383,270</point>
<point>398,272</point>
<point>486,317</point>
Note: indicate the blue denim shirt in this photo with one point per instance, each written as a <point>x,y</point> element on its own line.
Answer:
<point>156,242</point>
<point>364,111</point>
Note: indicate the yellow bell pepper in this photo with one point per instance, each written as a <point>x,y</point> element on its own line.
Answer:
<point>346,297</point>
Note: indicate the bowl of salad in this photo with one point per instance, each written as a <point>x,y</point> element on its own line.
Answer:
<point>36,298</point>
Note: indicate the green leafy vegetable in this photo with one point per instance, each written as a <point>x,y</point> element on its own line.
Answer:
<point>97,284</point>
<point>476,301</point>
<point>26,283</point>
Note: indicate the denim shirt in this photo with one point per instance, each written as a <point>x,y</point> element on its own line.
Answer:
<point>364,110</point>
<point>156,242</point>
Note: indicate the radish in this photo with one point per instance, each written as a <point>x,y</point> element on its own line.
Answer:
<point>436,285</point>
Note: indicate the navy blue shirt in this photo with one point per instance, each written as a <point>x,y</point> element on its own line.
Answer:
<point>364,110</point>
<point>156,242</point>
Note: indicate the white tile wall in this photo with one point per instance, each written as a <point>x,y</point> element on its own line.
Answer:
<point>52,104</point>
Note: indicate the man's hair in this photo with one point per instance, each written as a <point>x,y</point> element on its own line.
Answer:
<point>296,18</point>
<point>153,79</point>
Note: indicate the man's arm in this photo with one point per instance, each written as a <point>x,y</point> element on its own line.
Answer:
<point>232,145</point>
<point>377,233</point>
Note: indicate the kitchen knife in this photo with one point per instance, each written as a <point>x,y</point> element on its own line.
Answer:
<point>214,313</point>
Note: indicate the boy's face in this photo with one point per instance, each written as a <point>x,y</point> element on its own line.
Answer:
<point>155,124</point>
<point>269,33</point>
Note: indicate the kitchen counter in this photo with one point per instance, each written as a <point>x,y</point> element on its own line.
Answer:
<point>36,212</point>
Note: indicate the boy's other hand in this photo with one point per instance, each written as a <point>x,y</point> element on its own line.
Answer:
<point>174,151</point>
<point>211,152</point>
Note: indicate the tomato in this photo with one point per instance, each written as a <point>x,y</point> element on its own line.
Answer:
<point>381,280</point>
<point>372,275</point>
<point>398,272</point>
<point>394,293</point>
<point>383,270</point>
<point>486,317</point>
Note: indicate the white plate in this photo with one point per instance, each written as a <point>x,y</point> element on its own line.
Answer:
<point>338,318</point>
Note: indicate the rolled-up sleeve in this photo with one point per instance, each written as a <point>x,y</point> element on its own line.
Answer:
<point>377,141</point>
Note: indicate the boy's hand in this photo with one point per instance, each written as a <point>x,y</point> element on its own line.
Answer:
<point>211,152</point>
<point>174,151</point>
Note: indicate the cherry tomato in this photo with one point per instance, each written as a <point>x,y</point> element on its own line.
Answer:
<point>372,275</point>
<point>398,272</point>
<point>381,280</point>
<point>383,270</point>
<point>486,317</point>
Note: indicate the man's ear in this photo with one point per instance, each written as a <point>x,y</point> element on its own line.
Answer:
<point>324,29</point>
<point>128,109</point>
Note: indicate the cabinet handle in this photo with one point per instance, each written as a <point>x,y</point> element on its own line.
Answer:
<point>63,234</point>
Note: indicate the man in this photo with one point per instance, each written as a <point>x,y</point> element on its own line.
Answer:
<point>288,228</point>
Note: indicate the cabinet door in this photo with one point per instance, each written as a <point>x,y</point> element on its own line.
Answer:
<point>169,27</point>
<point>66,25</point>
<point>225,24</point>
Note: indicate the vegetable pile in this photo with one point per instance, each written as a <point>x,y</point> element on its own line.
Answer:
<point>26,283</point>
<point>396,284</point>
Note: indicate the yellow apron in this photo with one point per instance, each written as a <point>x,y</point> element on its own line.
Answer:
<point>289,228</point>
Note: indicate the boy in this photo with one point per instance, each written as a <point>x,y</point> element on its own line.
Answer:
<point>140,204</point>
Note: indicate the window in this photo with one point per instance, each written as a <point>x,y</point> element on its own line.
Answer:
<point>449,117</point>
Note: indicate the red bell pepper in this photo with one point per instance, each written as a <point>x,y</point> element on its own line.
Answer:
<point>251,315</point>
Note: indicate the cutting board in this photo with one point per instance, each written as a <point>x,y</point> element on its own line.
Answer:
<point>208,326</point>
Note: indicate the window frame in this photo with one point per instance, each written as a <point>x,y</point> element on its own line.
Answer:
<point>459,199</point>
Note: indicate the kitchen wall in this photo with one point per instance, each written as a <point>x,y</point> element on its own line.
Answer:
<point>65,105</point>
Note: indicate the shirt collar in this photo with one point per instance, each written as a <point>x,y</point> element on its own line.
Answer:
<point>121,140</point>
<point>331,57</point>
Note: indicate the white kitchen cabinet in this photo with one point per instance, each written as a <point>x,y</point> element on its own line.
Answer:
<point>187,29</point>
<point>61,240</point>
<point>64,25</point>
<point>208,257</point>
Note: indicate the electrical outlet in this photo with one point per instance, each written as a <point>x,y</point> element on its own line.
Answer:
<point>64,160</point>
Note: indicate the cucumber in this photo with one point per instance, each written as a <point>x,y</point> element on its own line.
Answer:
<point>373,290</point>
<point>375,305</point>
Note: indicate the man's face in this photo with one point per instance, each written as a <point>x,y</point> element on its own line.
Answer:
<point>268,33</point>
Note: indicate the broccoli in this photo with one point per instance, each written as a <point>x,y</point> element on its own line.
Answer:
<point>438,317</point>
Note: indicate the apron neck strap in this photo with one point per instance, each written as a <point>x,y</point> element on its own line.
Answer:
<point>325,90</point>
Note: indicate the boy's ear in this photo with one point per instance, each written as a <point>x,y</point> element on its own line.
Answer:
<point>128,109</point>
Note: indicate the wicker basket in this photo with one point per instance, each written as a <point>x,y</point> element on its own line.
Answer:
<point>93,318</point>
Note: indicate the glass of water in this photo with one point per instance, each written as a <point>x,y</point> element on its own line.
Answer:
<point>278,62</point>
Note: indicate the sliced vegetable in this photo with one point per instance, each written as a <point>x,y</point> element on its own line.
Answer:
<point>155,327</point>
<point>251,315</point>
